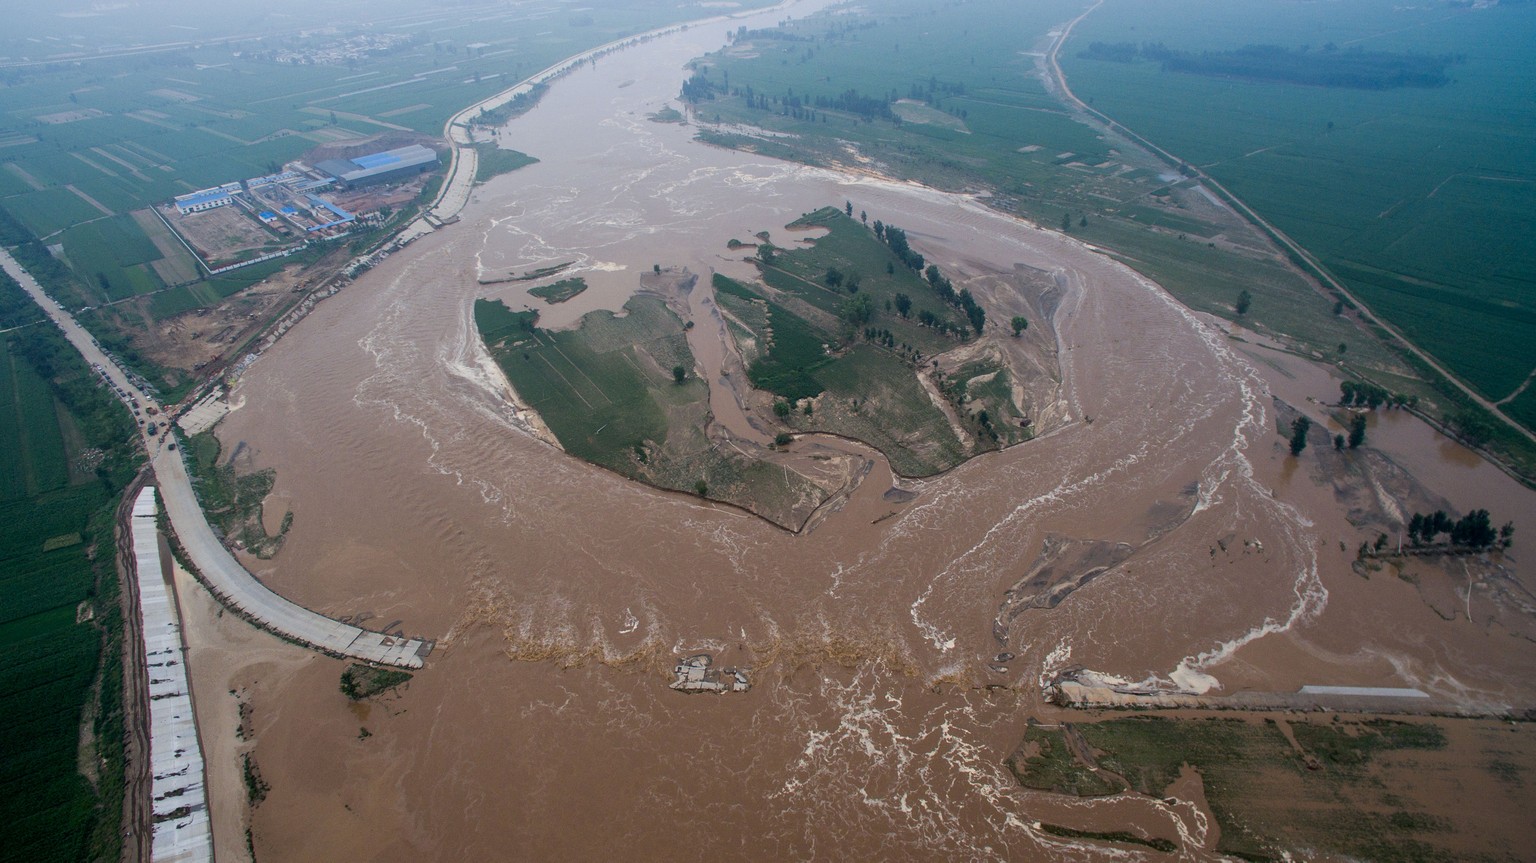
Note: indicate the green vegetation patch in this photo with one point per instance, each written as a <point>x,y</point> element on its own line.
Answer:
<point>560,291</point>
<point>1268,797</point>
<point>620,392</point>
<point>497,322</point>
<point>365,681</point>
<point>601,388</point>
<point>876,398</point>
<point>232,500</point>
<point>493,161</point>
<point>1044,761</point>
<point>851,263</point>
<point>845,319</point>
<point>981,392</point>
<point>605,389</point>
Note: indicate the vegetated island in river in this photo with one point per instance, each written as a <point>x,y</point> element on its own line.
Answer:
<point>850,334</point>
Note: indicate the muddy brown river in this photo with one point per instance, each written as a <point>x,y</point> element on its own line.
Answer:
<point>1204,558</point>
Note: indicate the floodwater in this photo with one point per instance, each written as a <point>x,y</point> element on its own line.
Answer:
<point>561,593</point>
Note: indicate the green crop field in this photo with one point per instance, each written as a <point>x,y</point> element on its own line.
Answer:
<point>55,556</point>
<point>34,445</point>
<point>603,388</point>
<point>1422,200</point>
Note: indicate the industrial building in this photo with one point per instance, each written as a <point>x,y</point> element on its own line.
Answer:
<point>207,199</point>
<point>388,166</point>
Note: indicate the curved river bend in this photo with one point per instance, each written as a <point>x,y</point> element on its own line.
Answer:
<point>419,496</point>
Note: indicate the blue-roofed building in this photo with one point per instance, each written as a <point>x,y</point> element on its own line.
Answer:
<point>206,199</point>
<point>384,167</point>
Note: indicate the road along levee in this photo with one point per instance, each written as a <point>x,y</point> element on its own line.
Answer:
<point>215,565</point>
<point>234,585</point>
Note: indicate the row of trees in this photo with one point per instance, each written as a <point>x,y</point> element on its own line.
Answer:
<point>946,291</point>
<point>896,239</point>
<point>1473,530</point>
<point>1369,395</point>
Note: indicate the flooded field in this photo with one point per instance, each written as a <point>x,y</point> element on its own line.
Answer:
<point>1156,532</point>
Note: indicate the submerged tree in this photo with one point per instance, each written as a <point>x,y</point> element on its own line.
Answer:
<point>1244,300</point>
<point>1357,431</point>
<point>1299,431</point>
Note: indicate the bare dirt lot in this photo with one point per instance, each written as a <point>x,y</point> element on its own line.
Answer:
<point>193,339</point>
<point>222,235</point>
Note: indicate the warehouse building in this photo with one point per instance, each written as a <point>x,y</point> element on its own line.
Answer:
<point>385,167</point>
<point>206,199</point>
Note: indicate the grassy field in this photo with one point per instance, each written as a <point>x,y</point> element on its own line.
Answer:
<point>604,389</point>
<point>493,161</point>
<point>1421,200</point>
<point>796,333</point>
<point>1345,787</point>
<point>65,450</point>
<point>233,500</point>
<point>609,392</point>
<point>560,291</point>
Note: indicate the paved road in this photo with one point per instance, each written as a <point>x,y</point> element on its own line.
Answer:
<point>229,581</point>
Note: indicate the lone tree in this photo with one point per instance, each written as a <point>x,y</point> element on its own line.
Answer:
<point>903,305</point>
<point>1357,431</point>
<point>1244,300</point>
<point>1020,324</point>
<point>679,374</point>
<point>1299,431</point>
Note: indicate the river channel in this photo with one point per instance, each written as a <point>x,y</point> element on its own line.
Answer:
<point>561,593</point>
